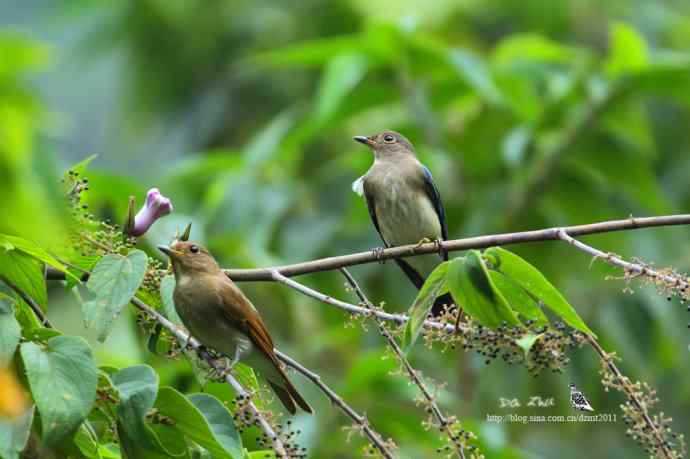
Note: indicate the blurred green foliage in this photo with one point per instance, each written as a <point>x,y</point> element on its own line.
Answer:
<point>530,114</point>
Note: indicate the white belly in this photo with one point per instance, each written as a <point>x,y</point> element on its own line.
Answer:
<point>407,218</point>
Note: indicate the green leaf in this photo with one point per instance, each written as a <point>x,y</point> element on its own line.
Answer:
<point>534,282</point>
<point>203,419</point>
<point>340,77</point>
<point>476,74</point>
<point>518,299</point>
<point>87,441</point>
<point>627,51</point>
<point>264,454</point>
<point>137,387</point>
<point>40,334</point>
<point>312,53</point>
<point>152,342</point>
<point>527,341</point>
<point>432,288</point>
<point>114,280</point>
<point>63,378</point>
<point>474,291</point>
<point>167,289</point>
<point>32,249</point>
<point>25,272</point>
<point>10,332</point>
<point>14,434</point>
<point>532,47</point>
<point>515,145</point>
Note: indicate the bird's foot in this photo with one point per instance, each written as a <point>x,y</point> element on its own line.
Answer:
<point>220,373</point>
<point>423,241</point>
<point>378,254</point>
<point>439,248</point>
<point>225,367</point>
<point>188,344</point>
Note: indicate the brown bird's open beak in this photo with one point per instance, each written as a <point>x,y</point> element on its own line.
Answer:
<point>167,250</point>
<point>364,139</point>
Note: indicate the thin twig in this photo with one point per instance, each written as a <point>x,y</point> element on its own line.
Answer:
<point>454,245</point>
<point>615,260</point>
<point>28,300</point>
<point>632,395</point>
<point>357,310</point>
<point>443,422</point>
<point>184,337</point>
<point>360,420</point>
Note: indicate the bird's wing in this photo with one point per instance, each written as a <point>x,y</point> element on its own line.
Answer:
<point>435,196</point>
<point>371,205</point>
<point>253,326</point>
<point>411,273</point>
<point>241,312</point>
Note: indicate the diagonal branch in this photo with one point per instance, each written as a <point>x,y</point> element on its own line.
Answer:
<point>663,447</point>
<point>360,420</point>
<point>444,423</point>
<point>640,270</point>
<point>454,245</point>
<point>28,300</point>
<point>184,337</point>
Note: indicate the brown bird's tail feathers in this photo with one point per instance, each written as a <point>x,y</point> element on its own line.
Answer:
<point>287,393</point>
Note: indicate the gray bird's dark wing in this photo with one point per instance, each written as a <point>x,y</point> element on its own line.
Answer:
<point>409,271</point>
<point>435,197</point>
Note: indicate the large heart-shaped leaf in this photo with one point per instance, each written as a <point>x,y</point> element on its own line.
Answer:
<point>63,378</point>
<point>433,287</point>
<point>472,287</point>
<point>534,282</point>
<point>114,281</point>
<point>203,419</point>
<point>137,387</point>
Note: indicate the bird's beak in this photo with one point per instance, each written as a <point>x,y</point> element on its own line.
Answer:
<point>168,251</point>
<point>364,139</point>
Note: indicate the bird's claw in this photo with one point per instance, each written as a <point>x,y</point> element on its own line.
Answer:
<point>221,372</point>
<point>439,248</point>
<point>378,254</point>
<point>423,241</point>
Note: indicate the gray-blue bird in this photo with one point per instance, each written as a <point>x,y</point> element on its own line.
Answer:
<point>404,203</point>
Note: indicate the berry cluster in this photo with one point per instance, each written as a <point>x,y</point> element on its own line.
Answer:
<point>651,432</point>
<point>549,350</point>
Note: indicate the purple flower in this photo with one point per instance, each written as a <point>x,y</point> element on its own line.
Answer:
<point>156,206</point>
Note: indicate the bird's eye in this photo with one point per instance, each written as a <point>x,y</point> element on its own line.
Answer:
<point>388,138</point>
<point>194,249</point>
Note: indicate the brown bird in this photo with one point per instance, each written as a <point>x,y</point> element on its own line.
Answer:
<point>218,314</point>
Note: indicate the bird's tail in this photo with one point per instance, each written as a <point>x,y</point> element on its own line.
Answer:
<point>418,280</point>
<point>286,391</point>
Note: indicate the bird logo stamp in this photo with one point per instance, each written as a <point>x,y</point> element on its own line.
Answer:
<point>578,400</point>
